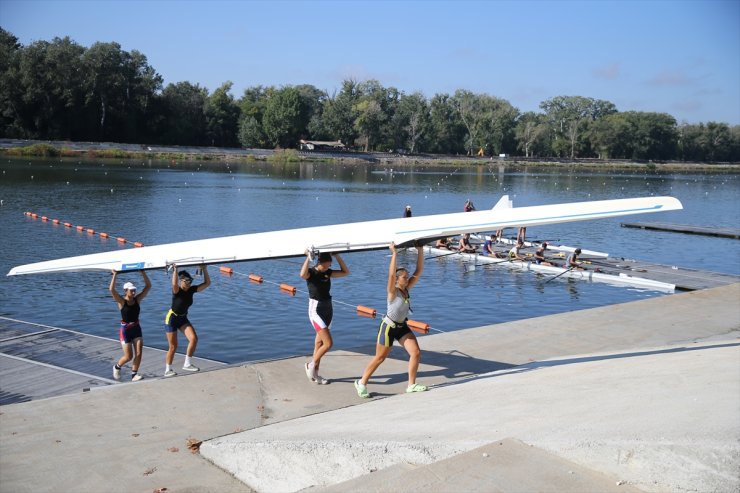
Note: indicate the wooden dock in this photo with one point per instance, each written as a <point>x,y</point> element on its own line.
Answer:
<point>686,229</point>
<point>39,361</point>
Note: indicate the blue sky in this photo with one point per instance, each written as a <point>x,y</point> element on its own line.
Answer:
<point>678,57</point>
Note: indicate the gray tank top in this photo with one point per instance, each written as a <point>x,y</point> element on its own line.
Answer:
<point>398,309</point>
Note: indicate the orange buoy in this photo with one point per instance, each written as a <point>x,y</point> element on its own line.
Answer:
<point>26,213</point>
<point>91,231</point>
<point>55,221</point>
<point>44,218</point>
<point>255,278</point>
<point>121,240</point>
<point>80,228</point>
<point>103,235</point>
<point>226,270</point>
<point>138,244</point>
<point>417,326</point>
<point>34,215</point>
<point>67,225</point>
<point>288,288</point>
<point>366,311</point>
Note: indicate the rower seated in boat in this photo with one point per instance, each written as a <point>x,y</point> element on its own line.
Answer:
<point>573,262</point>
<point>464,245</point>
<point>514,253</point>
<point>539,255</point>
<point>488,246</point>
<point>443,243</point>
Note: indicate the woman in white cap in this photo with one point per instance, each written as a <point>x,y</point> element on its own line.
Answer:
<point>132,341</point>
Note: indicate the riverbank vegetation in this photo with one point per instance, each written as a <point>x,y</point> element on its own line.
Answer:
<point>60,90</point>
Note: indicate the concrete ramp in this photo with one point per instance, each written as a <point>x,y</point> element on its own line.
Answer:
<point>505,465</point>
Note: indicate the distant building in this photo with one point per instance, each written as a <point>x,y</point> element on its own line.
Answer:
<point>322,145</point>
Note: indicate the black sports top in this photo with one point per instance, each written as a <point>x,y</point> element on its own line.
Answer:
<point>319,284</point>
<point>130,313</point>
<point>182,300</point>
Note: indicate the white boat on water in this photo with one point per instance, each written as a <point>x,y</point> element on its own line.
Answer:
<point>550,246</point>
<point>621,279</point>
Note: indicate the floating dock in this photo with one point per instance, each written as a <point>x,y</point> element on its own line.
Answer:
<point>687,229</point>
<point>39,361</point>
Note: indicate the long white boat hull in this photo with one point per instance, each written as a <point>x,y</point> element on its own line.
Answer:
<point>369,235</point>
<point>587,275</point>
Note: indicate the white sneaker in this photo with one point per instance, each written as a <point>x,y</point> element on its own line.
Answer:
<point>310,373</point>
<point>190,368</point>
<point>116,373</point>
<point>170,373</point>
<point>137,377</point>
<point>320,380</point>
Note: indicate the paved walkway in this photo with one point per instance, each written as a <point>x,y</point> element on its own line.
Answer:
<point>579,401</point>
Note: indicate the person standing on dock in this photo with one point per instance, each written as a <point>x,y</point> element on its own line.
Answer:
<point>177,317</point>
<point>394,325</point>
<point>132,340</point>
<point>320,309</point>
<point>407,211</point>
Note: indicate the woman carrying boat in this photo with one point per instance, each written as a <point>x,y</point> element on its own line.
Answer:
<point>394,325</point>
<point>177,317</point>
<point>132,341</point>
<point>320,309</point>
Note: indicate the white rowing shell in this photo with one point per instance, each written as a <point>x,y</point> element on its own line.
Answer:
<point>369,235</point>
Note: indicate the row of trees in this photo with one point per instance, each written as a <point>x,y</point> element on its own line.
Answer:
<point>60,90</point>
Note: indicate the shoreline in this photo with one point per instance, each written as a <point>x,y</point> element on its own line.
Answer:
<point>104,150</point>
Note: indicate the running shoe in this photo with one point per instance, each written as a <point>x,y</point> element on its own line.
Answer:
<point>309,373</point>
<point>116,373</point>
<point>170,373</point>
<point>137,377</point>
<point>417,387</point>
<point>320,380</point>
<point>361,389</point>
<point>190,368</point>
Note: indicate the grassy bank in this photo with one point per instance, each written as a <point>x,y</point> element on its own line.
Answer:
<point>291,155</point>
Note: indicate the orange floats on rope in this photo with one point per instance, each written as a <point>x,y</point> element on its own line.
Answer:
<point>34,215</point>
<point>138,244</point>
<point>67,225</point>
<point>366,311</point>
<point>226,270</point>
<point>121,240</point>
<point>44,218</point>
<point>55,221</point>
<point>256,278</point>
<point>91,231</point>
<point>417,326</point>
<point>288,289</point>
<point>103,235</point>
<point>80,228</point>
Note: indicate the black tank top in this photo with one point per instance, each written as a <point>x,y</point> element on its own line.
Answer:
<point>130,313</point>
<point>319,284</point>
<point>183,299</point>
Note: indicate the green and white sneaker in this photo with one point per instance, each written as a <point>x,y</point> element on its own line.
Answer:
<point>361,390</point>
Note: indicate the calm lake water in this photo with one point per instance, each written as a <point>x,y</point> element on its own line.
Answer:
<point>161,202</point>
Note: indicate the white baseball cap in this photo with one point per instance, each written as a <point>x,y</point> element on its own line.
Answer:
<point>129,285</point>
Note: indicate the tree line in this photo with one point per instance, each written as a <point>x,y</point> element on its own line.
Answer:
<point>60,90</point>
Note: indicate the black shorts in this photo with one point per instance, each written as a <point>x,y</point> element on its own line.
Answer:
<point>390,330</point>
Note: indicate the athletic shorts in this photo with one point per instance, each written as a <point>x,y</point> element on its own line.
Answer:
<point>173,321</point>
<point>320,313</point>
<point>390,330</point>
<point>129,332</point>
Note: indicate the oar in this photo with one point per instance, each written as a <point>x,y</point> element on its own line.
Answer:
<point>442,255</point>
<point>488,264</point>
<point>564,272</point>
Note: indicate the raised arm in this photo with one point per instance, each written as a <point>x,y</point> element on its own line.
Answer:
<point>147,286</point>
<point>112,288</point>
<point>344,269</point>
<point>391,287</point>
<point>304,267</point>
<point>419,267</point>
<point>206,278</point>
<point>175,285</point>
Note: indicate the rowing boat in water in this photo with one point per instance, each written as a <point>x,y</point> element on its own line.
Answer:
<point>553,247</point>
<point>619,279</point>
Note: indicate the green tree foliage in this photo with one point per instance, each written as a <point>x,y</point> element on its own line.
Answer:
<point>222,117</point>
<point>60,90</point>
